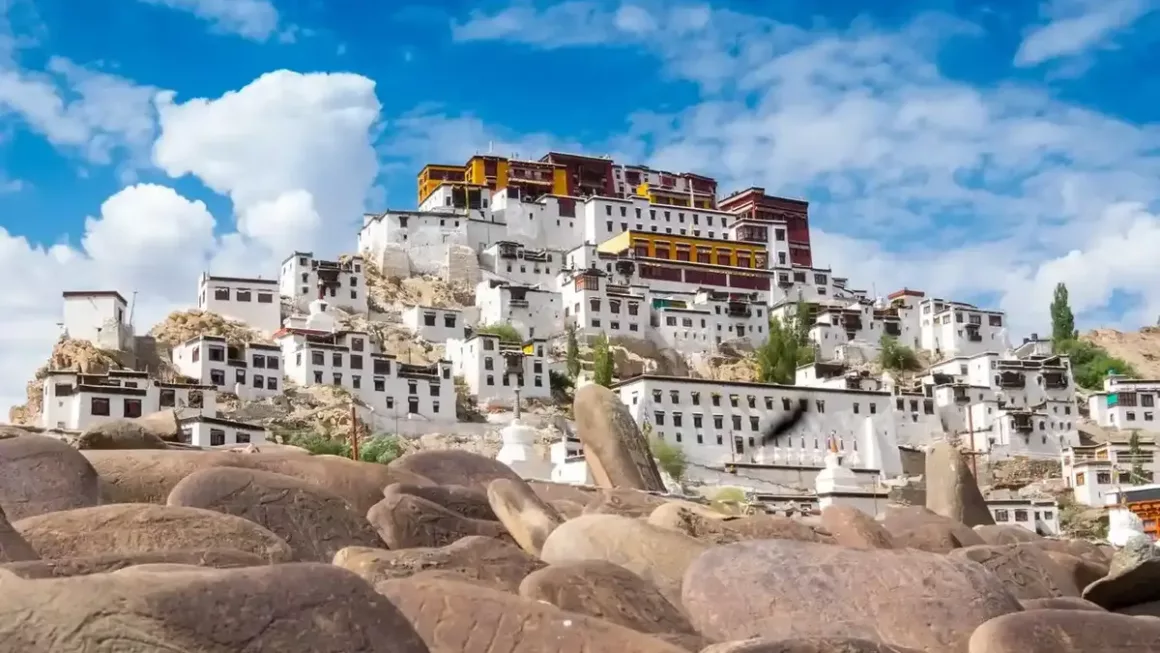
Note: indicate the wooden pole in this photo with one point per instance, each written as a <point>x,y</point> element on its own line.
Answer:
<point>353,432</point>
<point>971,428</point>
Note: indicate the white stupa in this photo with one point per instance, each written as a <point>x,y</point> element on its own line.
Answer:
<point>835,477</point>
<point>518,450</point>
<point>320,318</point>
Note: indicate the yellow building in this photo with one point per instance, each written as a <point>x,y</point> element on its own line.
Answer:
<point>434,175</point>
<point>668,197</point>
<point>709,251</point>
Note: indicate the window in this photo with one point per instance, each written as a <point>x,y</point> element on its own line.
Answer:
<point>857,409</point>
<point>99,406</point>
<point>259,382</point>
<point>317,358</point>
<point>488,363</point>
<point>490,379</point>
<point>221,293</point>
<point>1103,478</point>
<point>1147,401</point>
<point>217,377</point>
<point>736,422</point>
<point>429,319</point>
<point>718,422</point>
<point>271,383</point>
<point>678,419</point>
<point>382,366</point>
<point>318,377</point>
<point>753,424</point>
<point>259,361</point>
<point>336,360</point>
<point>355,381</point>
<point>488,344</point>
<point>357,344</point>
<point>240,376</point>
<point>696,398</point>
<point>716,399</point>
<point>1020,515</point>
<point>196,354</point>
<point>195,399</point>
<point>433,388</point>
<point>380,385</point>
<point>242,437</point>
<point>1080,479</point>
<point>356,361</point>
<point>1048,515</point>
<point>217,437</point>
<point>449,321</point>
<point>873,408</point>
<point>243,295</point>
<point>751,400</point>
<point>217,354</point>
<point>785,403</point>
<point>697,420</point>
<point>821,405</point>
<point>769,403</point>
<point>733,400</point>
<point>168,398</point>
<point>263,298</point>
<point>674,396</point>
<point>1002,515</point>
<point>337,378</point>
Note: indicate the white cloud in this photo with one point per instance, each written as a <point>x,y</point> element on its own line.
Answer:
<point>292,151</point>
<point>256,20</point>
<point>1078,26</point>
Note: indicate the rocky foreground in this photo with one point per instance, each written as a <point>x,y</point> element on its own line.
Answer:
<point>276,551</point>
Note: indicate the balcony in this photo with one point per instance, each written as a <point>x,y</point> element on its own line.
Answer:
<point>737,309</point>
<point>1011,380</point>
<point>518,303</point>
<point>1055,380</point>
<point>508,250</point>
<point>1022,422</point>
<point>961,396</point>
<point>892,328</point>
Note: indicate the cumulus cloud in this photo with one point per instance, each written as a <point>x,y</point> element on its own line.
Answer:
<point>293,152</point>
<point>256,20</point>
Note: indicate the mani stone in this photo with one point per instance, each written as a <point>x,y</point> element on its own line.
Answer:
<point>453,467</point>
<point>40,474</point>
<point>1066,631</point>
<point>951,489</point>
<point>616,451</point>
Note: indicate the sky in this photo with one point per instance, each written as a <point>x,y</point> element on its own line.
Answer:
<point>980,151</point>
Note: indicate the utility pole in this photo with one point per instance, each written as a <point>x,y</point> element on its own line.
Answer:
<point>353,432</point>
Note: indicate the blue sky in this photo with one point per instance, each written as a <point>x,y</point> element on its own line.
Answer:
<point>978,150</point>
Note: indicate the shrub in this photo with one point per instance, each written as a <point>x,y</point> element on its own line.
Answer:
<point>505,332</point>
<point>670,457</point>
<point>380,449</point>
<point>896,356</point>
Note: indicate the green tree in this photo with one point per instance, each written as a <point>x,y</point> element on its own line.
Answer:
<point>786,347</point>
<point>1091,363</point>
<point>1062,319</point>
<point>894,355</point>
<point>670,457</point>
<point>573,355</point>
<point>1137,460</point>
<point>380,449</point>
<point>602,362</point>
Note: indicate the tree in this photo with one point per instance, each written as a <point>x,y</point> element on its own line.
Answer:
<point>602,363</point>
<point>670,457</point>
<point>1090,364</point>
<point>785,349</point>
<point>1062,319</point>
<point>573,356</point>
<point>1137,462</point>
<point>505,332</point>
<point>894,355</point>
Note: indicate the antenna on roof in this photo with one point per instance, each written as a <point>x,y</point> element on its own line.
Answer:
<point>490,145</point>
<point>132,305</point>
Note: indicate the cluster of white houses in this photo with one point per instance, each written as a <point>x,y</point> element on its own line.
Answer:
<point>636,254</point>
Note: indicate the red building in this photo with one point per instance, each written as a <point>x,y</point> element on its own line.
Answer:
<point>755,204</point>
<point>587,175</point>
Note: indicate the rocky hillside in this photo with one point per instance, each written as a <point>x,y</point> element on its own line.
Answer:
<point>67,354</point>
<point>391,294</point>
<point>180,326</point>
<point>1140,349</point>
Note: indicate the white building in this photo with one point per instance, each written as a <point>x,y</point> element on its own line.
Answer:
<point>98,316</point>
<point>1125,403</point>
<point>719,422</point>
<point>956,329</point>
<point>76,401</point>
<point>1096,472</point>
<point>341,283</point>
<point>1036,515</point>
<point>533,312</point>
<point>523,266</point>
<point>1012,406</point>
<point>435,324</point>
<point>202,431</point>
<point>700,322</point>
<point>251,370</point>
<point>494,369</point>
<point>351,360</point>
<point>254,302</point>
<point>597,306</point>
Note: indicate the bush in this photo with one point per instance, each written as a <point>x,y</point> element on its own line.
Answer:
<point>736,495</point>
<point>670,457</point>
<point>380,449</point>
<point>1091,363</point>
<point>896,356</point>
<point>320,445</point>
<point>505,332</point>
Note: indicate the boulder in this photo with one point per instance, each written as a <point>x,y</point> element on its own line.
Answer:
<point>143,528</point>
<point>951,489</point>
<point>784,589</point>
<point>461,500</point>
<point>1025,569</point>
<point>617,453</point>
<point>314,522</point>
<point>1060,603</point>
<point>1066,631</point>
<point>1078,548</point>
<point>527,518</point>
<point>724,530</point>
<point>272,609</point>
<point>855,529</point>
<point>1005,534</point>
<point>549,492</point>
<point>916,527</point>
<point>1133,577</point>
<point>163,424</point>
<point>404,521</point>
<point>40,474</point>
<point>157,568</point>
<point>119,434</point>
<point>13,547</point>
<point>1082,572</point>
<point>463,618</point>
<point>481,559</point>
<point>658,555</point>
<point>625,502</point>
<point>567,509</point>
<point>454,467</point>
<point>806,645</point>
<point>606,591</point>
<point>108,562</point>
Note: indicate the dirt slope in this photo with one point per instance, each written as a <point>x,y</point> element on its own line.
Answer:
<point>1140,349</point>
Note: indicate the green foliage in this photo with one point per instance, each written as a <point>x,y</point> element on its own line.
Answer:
<point>505,332</point>
<point>1091,363</point>
<point>602,362</point>
<point>894,355</point>
<point>1137,460</point>
<point>1062,319</point>
<point>319,444</point>
<point>785,349</point>
<point>563,387</point>
<point>573,354</point>
<point>733,494</point>
<point>670,457</point>
<point>380,449</point>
